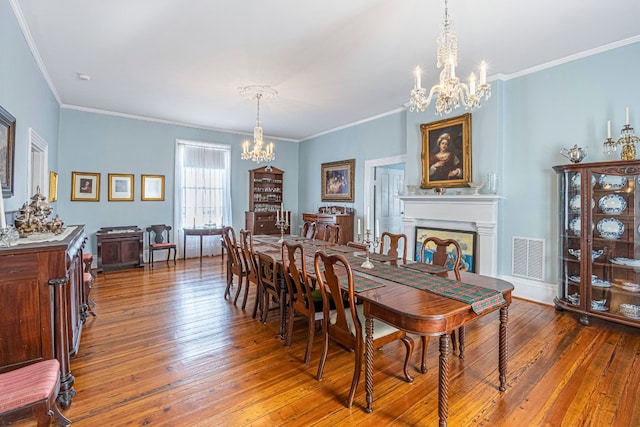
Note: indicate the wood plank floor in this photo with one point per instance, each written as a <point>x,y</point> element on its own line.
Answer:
<point>166,349</point>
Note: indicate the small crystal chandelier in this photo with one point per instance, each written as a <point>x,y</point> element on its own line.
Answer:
<point>628,140</point>
<point>259,153</point>
<point>450,91</point>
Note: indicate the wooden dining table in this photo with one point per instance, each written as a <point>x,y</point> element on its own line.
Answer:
<point>413,299</point>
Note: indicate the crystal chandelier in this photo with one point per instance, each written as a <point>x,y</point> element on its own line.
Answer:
<point>450,91</point>
<point>259,153</point>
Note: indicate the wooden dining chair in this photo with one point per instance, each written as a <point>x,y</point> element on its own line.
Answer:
<point>269,283</point>
<point>346,326</point>
<point>390,245</point>
<point>235,266</point>
<point>250,266</point>
<point>332,233</point>
<point>302,298</point>
<point>309,230</point>
<point>160,240</point>
<point>447,252</point>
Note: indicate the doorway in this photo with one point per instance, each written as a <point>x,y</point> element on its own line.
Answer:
<point>383,180</point>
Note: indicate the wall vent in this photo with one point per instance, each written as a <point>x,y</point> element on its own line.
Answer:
<point>528,258</point>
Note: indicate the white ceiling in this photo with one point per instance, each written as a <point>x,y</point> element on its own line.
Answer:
<point>333,62</point>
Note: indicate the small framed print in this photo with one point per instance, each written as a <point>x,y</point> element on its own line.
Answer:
<point>152,187</point>
<point>53,186</point>
<point>85,187</point>
<point>120,187</point>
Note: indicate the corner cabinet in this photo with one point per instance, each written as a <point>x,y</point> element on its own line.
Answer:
<point>599,207</point>
<point>265,198</point>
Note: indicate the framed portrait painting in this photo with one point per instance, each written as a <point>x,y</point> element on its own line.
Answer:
<point>120,187</point>
<point>152,187</point>
<point>446,152</point>
<point>7,151</point>
<point>53,186</point>
<point>338,181</point>
<point>466,240</point>
<point>85,187</point>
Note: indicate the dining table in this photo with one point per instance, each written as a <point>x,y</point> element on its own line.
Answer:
<point>416,298</point>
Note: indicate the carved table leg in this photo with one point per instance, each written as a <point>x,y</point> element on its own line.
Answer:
<point>502,361</point>
<point>461,340</point>
<point>443,380</point>
<point>368,363</point>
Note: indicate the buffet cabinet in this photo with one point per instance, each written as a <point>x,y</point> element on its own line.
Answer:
<point>599,242</point>
<point>265,199</point>
<point>333,215</point>
<point>119,247</point>
<point>43,305</point>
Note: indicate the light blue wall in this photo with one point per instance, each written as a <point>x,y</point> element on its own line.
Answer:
<point>104,144</point>
<point>25,94</point>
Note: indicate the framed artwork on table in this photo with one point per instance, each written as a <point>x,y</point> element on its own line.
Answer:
<point>152,187</point>
<point>7,151</point>
<point>337,180</point>
<point>446,152</point>
<point>120,187</point>
<point>53,186</point>
<point>85,187</point>
<point>466,240</point>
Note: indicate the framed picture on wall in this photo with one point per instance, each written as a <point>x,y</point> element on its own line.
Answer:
<point>85,187</point>
<point>446,152</point>
<point>7,151</point>
<point>53,186</point>
<point>466,240</point>
<point>120,187</point>
<point>152,187</point>
<point>337,180</point>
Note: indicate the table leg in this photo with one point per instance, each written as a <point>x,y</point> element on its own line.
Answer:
<point>184,247</point>
<point>201,236</point>
<point>368,363</point>
<point>502,361</point>
<point>443,380</point>
<point>461,340</point>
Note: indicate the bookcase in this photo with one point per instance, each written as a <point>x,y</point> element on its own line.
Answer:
<point>265,199</point>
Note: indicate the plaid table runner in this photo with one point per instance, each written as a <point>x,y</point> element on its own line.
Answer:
<point>479,298</point>
<point>374,257</point>
<point>360,284</point>
<point>426,268</point>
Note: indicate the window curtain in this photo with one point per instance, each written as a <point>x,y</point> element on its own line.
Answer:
<point>203,194</point>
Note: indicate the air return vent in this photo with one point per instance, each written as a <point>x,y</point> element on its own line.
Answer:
<point>528,258</point>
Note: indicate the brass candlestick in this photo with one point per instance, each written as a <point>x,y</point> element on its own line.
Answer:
<point>366,240</point>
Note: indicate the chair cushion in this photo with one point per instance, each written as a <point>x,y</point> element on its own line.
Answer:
<point>380,329</point>
<point>163,245</point>
<point>28,385</point>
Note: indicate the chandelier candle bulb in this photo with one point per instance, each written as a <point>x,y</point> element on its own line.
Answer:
<point>418,73</point>
<point>483,73</point>
<point>608,128</point>
<point>472,84</point>
<point>627,122</point>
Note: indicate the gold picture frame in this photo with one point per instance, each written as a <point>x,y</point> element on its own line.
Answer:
<point>120,187</point>
<point>85,187</point>
<point>446,152</point>
<point>337,180</point>
<point>7,152</point>
<point>152,187</point>
<point>53,186</point>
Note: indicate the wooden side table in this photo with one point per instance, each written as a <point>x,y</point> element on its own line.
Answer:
<point>200,231</point>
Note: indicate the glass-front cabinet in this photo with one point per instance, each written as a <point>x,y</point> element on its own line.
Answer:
<point>599,240</point>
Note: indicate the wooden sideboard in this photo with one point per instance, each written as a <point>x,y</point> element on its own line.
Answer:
<point>43,305</point>
<point>344,220</point>
<point>119,247</point>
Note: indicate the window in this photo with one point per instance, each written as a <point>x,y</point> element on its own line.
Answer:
<point>203,192</point>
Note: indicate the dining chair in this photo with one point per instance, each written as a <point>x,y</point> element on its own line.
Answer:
<point>446,253</point>
<point>309,230</point>
<point>269,283</point>
<point>302,298</point>
<point>250,266</point>
<point>31,391</point>
<point>235,266</point>
<point>160,240</point>
<point>345,327</point>
<point>332,233</point>
<point>390,243</point>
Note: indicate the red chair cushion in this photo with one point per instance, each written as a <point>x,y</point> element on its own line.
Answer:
<point>28,385</point>
<point>163,245</point>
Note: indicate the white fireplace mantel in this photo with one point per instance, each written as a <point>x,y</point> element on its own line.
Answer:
<point>468,212</point>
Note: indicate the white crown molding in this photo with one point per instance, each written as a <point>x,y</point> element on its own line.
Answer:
<point>368,119</point>
<point>32,47</point>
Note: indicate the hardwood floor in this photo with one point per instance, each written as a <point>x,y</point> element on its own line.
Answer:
<point>167,349</point>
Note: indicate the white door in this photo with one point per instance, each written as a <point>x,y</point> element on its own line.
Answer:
<point>388,208</point>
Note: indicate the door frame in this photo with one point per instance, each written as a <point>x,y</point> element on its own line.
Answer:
<point>369,166</point>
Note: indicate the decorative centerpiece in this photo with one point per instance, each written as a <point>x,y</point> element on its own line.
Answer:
<point>575,154</point>
<point>33,217</point>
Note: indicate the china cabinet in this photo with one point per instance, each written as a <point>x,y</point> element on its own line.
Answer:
<point>599,242</point>
<point>265,199</point>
